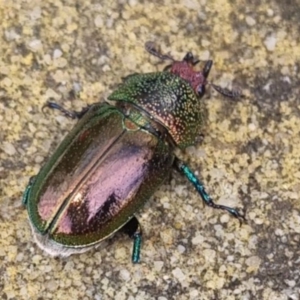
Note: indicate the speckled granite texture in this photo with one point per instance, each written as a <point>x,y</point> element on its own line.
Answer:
<point>77,52</point>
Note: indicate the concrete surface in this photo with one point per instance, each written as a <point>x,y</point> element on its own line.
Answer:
<point>77,52</point>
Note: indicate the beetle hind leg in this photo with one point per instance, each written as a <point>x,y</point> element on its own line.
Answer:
<point>133,229</point>
<point>187,172</point>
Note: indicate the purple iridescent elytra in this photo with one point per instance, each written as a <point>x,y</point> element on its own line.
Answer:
<point>88,193</point>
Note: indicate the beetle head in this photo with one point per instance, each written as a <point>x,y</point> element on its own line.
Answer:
<point>185,69</point>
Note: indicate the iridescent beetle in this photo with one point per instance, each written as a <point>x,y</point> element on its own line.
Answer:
<point>115,157</point>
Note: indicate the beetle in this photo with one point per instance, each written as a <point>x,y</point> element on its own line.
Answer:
<point>116,156</point>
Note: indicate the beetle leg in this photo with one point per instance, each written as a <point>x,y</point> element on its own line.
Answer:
<point>187,172</point>
<point>27,190</point>
<point>134,230</point>
<point>68,113</point>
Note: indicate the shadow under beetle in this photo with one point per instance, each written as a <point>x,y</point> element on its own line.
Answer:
<point>116,156</point>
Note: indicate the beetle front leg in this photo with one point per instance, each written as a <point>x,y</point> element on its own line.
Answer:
<point>68,113</point>
<point>134,230</point>
<point>187,172</point>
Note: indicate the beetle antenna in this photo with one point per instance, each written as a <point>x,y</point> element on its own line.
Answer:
<point>234,93</point>
<point>152,48</point>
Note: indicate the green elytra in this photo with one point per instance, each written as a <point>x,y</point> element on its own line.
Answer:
<point>161,110</point>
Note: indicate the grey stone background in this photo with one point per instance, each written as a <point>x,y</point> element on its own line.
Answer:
<point>77,52</point>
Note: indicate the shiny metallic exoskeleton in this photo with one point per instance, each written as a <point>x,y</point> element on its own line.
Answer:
<point>116,156</point>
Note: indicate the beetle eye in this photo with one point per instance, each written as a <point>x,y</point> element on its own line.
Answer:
<point>201,90</point>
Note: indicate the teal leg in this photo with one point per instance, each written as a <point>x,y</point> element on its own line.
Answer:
<point>186,171</point>
<point>27,190</point>
<point>133,229</point>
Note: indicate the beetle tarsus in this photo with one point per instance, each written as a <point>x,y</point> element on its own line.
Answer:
<point>133,229</point>
<point>68,113</point>
<point>187,172</point>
